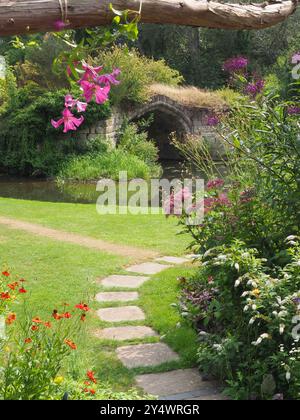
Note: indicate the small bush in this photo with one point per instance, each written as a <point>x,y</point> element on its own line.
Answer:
<point>104,165</point>
<point>138,73</point>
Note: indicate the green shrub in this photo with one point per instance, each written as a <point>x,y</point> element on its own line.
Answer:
<point>137,143</point>
<point>246,319</point>
<point>138,73</point>
<point>104,165</point>
<point>28,142</point>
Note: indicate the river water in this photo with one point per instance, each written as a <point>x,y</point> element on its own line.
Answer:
<point>79,192</point>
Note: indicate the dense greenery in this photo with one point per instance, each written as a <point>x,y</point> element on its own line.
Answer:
<point>245,298</point>
<point>199,53</point>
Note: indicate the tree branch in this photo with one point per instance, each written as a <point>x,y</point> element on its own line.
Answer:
<point>26,16</point>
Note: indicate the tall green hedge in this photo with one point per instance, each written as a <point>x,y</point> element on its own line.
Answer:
<point>29,145</point>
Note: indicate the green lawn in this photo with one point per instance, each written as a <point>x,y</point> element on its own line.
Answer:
<point>153,232</point>
<point>58,272</point>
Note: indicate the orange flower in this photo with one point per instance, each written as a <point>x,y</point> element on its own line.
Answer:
<point>83,307</point>
<point>67,315</point>
<point>28,341</point>
<point>48,324</point>
<point>91,375</point>
<point>56,315</point>
<point>13,286</point>
<point>22,290</point>
<point>82,318</point>
<point>37,320</point>
<point>11,318</point>
<point>4,296</point>
<point>5,273</point>
<point>71,344</point>
<point>34,328</point>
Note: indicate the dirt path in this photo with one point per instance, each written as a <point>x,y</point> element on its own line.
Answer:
<point>88,242</point>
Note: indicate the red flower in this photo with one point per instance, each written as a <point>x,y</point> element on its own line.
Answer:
<point>5,296</point>
<point>67,315</point>
<point>22,290</point>
<point>91,375</point>
<point>5,273</point>
<point>48,324</point>
<point>28,341</point>
<point>34,328</point>
<point>11,318</point>
<point>83,307</point>
<point>82,318</point>
<point>71,344</point>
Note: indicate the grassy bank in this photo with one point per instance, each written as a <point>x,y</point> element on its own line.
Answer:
<point>153,232</point>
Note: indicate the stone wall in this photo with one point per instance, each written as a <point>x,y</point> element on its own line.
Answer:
<point>190,120</point>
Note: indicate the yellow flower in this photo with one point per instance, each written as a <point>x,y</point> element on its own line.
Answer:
<point>7,349</point>
<point>58,380</point>
<point>256,292</point>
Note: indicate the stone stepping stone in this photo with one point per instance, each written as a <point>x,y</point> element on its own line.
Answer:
<point>173,260</point>
<point>123,313</point>
<point>147,268</point>
<point>132,282</point>
<point>126,333</point>
<point>143,355</point>
<point>177,384</point>
<point>117,296</point>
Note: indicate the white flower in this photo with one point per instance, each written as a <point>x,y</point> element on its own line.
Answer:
<point>281,328</point>
<point>246,308</point>
<point>254,307</point>
<point>288,376</point>
<point>245,294</point>
<point>252,320</point>
<point>237,283</point>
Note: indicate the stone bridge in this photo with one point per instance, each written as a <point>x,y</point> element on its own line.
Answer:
<point>169,117</point>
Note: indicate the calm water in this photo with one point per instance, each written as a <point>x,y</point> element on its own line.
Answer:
<point>47,190</point>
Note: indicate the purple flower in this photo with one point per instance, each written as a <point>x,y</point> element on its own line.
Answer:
<point>215,183</point>
<point>235,64</point>
<point>296,58</point>
<point>212,120</point>
<point>255,88</point>
<point>293,110</point>
<point>296,301</point>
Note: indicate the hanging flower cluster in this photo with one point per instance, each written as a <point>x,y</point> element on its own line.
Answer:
<point>94,86</point>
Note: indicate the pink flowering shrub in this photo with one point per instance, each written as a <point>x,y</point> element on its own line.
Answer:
<point>94,86</point>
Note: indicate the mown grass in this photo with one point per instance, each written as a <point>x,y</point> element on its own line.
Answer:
<point>57,273</point>
<point>152,231</point>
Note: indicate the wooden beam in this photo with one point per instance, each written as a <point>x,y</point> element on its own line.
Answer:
<point>27,16</point>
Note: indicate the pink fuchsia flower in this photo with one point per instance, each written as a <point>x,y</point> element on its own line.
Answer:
<point>183,194</point>
<point>106,79</point>
<point>235,64</point>
<point>69,71</point>
<point>70,122</point>
<point>215,183</point>
<point>91,89</point>
<point>59,25</point>
<point>90,72</point>
<point>71,103</point>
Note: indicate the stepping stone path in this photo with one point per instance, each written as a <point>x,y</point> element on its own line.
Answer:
<point>180,384</point>
<point>124,313</point>
<point>126,333</point>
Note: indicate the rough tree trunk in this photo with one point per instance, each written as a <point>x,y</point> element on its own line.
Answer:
<point>21,16</point>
